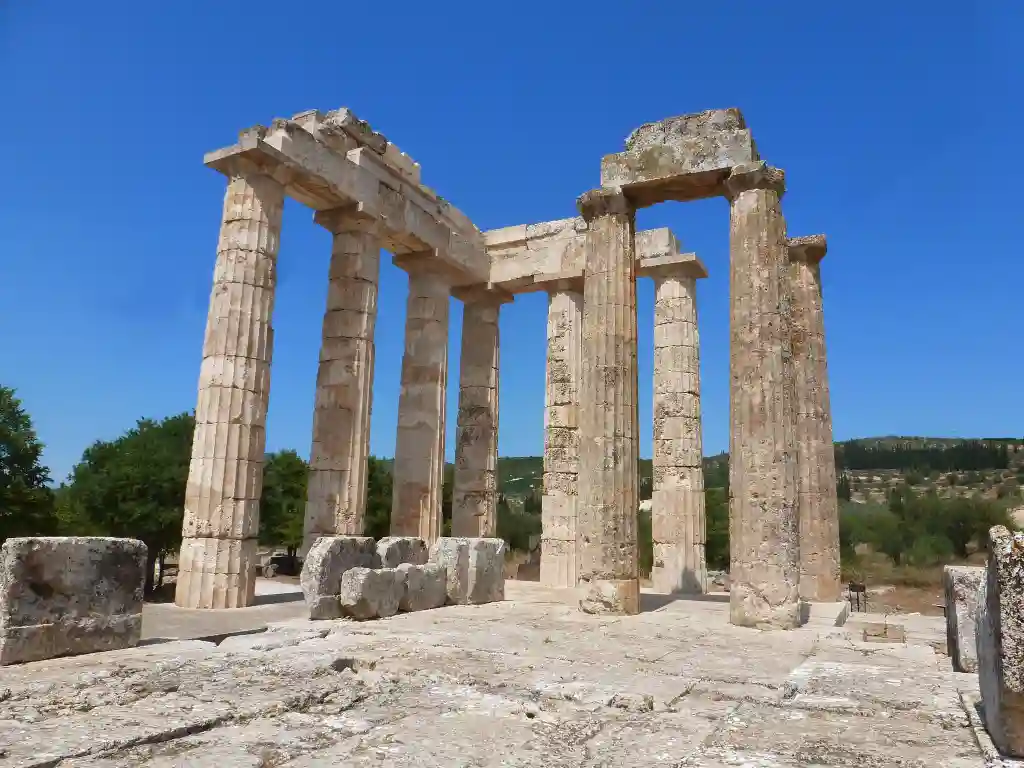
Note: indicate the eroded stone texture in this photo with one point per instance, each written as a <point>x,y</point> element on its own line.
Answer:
<point>371,593</point>
<point>677,501</point>
<point>816,466</point>
<point>426,586</point>
<point>326,563</point>
<point>392,551</point>
<point>764,567</point>
<point>961,585</point>
<point>419,445</point>
<point>608,492</point>
<point>475,489</point>
<point>62,596</point>
<point>475,568</point>
<point>336,491</point>
<point>559,561</point>
<point>680,158</point>
<point>1000,641</point>
<point>225,477</point>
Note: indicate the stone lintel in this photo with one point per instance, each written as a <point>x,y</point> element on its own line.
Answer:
<point>810,248</point>
<point>682,264</point>
<point>681,158</point>
<point>548,256</point>
<point>414,219</point>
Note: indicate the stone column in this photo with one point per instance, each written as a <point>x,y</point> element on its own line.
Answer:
<point>818,507</point>
<point>225,479</point>
<point>475,492</point>
<point>677,501</point>
<point>764,568</point>
<point>608,499</point>
<point>419,445</point>
<point>336,493</point>
<point>559,559</point>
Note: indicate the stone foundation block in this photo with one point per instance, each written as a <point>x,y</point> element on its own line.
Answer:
<point>370,593</point>
<point>475,569</point>
<point>426,586</point>
<point>325,565</point>
<point>63,596</point>
<point>395,550</point>
<point>1000,638</point>
<point>961,585</point>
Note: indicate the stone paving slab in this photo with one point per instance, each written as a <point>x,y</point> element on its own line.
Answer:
<point>527,682</point>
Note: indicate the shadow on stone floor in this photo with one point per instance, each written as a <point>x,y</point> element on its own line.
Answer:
<point>281,597</point>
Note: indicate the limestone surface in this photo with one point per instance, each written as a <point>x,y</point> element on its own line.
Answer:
<point>225,479</point>
<point>63,596</point>
<point>324,567</point>
<point>392,551</point>
<point>608,481</point>
<point>426,586</point>
<point>530,682</point>
<point>680,158</point>
<point>371,593</point>
<point>764,568</point>
<point>475,489</point>
<point>961,585</point>
<point>816,466</point>
<point>336,489</point>
<point>559,561</point>
<point>677,500</point>
<point>475,568</point>
<point>419,445</point>
<point>1000,641</point>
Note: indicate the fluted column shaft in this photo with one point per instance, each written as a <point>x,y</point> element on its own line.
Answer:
<point>559,561</point>
<point>817,502</point>
<point>677,501</point>
<point>475,491</point>
<point>764,565</point>
<point>225,480</point>
<point>336,492</point>
<point>608,499</point>
<point>419,445</point>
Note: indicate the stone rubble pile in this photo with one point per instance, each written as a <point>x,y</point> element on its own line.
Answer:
<point>351,576</point>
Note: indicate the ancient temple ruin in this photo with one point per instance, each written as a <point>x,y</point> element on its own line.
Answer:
<point>369,195</point>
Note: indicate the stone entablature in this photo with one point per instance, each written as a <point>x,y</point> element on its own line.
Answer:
<point>530,257</point>
<point>335,160</point>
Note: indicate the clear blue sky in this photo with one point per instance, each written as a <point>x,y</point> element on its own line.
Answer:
<point>898,124</point>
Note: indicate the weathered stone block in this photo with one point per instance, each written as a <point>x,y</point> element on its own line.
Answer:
<point>395,550</point>
<point>1000,637</point>
<point>475,568</point>
<point>326,564</point>
<point>426,586</point>
<point>370,593</point>
<point>961,585</point>
<point>62,596</point>
<point>660,156</point>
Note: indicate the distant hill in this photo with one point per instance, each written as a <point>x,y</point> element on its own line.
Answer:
<point>519,475</point>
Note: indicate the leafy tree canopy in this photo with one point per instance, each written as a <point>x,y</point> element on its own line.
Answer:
<point>26,503</point>
<point>134,486</point>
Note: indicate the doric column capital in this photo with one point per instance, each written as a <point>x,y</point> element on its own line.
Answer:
<point>759,175</point>
<point>681,265</point>
<point>603,202</point>
<point>347,219</point>
<point>482,294</point>
<point>810,248</point>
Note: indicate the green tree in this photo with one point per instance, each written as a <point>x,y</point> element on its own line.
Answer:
<point>716,527</point>
<point>283,503</point>
<point>379,486</point>
<point>26,503</point>
<point>134,486</point>
<point>843,487</point>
